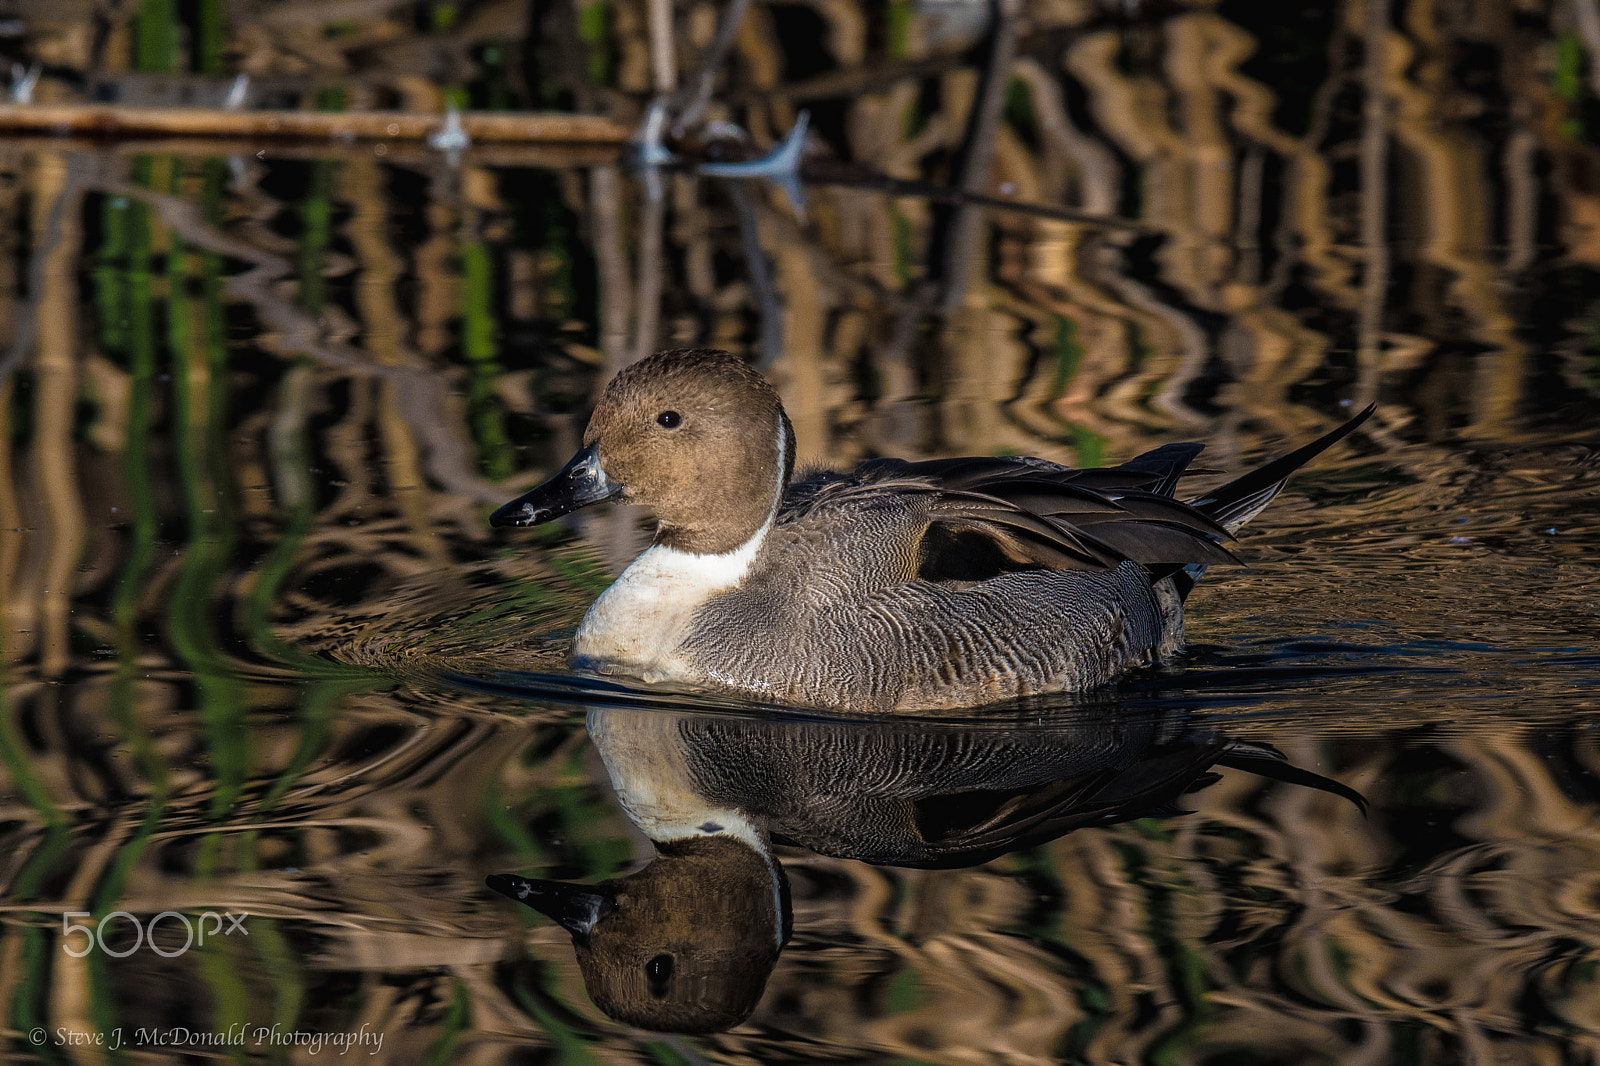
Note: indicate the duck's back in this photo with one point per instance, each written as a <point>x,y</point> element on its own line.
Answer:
<point>890,587</point>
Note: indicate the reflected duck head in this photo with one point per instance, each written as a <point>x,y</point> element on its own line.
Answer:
<point>684,945</point>
<point>673,431</point>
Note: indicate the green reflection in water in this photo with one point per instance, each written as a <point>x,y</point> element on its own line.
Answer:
<point>126,289</point>
<point>1566,81</point>
<point>594,30</point>
<point>480,344</point>
<point>455,1023</point>
<point>556,1021</point>
<point>316,222</point>
<point>199,380</point>
<point>210,36</point>
<point>155,48</point>
<point>29,1005</point>
<point>1089,447</point>
<point>899,14</point>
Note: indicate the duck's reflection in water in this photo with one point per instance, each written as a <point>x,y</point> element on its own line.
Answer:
<point>686,944</point>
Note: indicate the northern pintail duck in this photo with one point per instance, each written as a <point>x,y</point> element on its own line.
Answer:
<point>896,585</point>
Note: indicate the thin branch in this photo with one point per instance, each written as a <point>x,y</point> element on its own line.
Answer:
<point>977,152</point>
<point>1374,198</point>
<point>771,313</point>
<point>14,147</point>
<point>385,126</point>
<point>710,63</point>
<point>858,178</point>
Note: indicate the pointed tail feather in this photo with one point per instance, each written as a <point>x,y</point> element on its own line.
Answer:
<point>1241,499</point>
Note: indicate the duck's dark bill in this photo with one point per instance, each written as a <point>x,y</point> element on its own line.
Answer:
<point>580,483</point>
<point>576,908</point>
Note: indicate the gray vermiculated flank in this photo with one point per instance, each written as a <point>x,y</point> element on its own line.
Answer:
<point>858,633</point>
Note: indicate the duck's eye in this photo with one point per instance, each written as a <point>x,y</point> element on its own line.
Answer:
<point>658,971</point>
<point>669,420</point>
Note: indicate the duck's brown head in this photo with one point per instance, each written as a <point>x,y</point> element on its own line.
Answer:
<point>693,433</point>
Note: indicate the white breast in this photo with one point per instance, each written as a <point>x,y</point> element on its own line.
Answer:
<point>642,619</point>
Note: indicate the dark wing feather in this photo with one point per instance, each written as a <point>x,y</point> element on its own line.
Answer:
<point>989,515</point>
<point>971,472</point>
<point>1028,540</point>
<point>1040,515</point>
<point>1167,462</point>
<point>1165,509</point>
<point>1160,542</point>
<point>1044,496</point>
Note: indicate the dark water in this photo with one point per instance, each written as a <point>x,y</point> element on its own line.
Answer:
<point>262,656</point>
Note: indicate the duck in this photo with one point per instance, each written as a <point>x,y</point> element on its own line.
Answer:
<point>890,587</point>
<point>687,942</point>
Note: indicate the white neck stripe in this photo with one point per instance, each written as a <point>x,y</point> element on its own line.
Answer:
<point>783,466</point>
